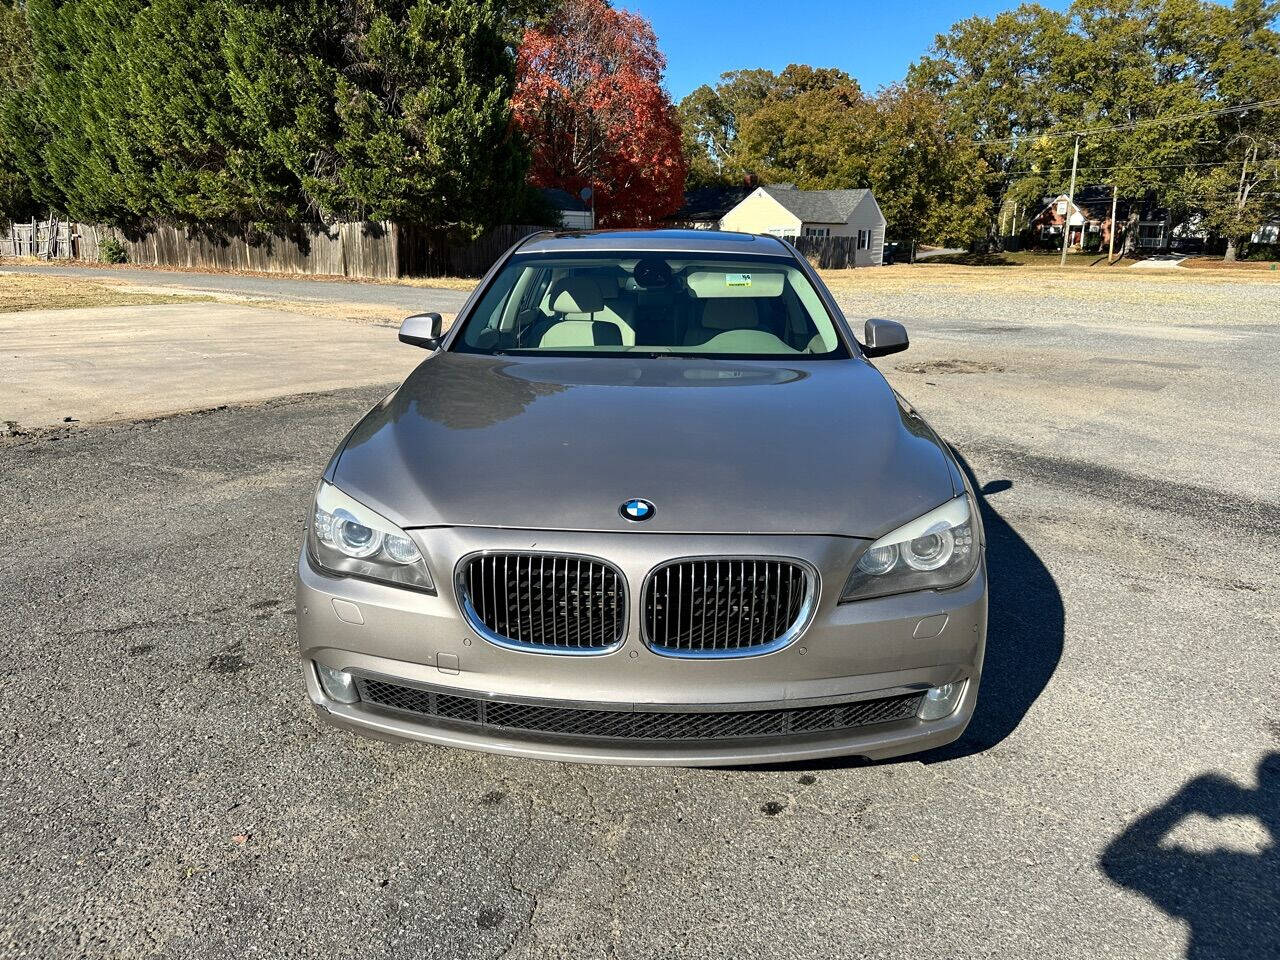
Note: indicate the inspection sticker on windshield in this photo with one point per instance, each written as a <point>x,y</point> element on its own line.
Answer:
<point>737,279</point>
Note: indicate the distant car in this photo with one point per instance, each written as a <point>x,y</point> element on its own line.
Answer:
<point>647,502</point>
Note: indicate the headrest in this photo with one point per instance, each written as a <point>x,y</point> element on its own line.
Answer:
<point>576,295</point>
<point>581,333</point>
<point>610,279</point>
<point>737,314</point>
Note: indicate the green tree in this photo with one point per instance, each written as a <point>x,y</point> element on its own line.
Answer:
<point>16,199</point>
<point>996,78</point>
<point>419,95</point>
<point>268,113</point>
<point>929,183</point>
<point>712,117</point>
<point>824,133</point>
<point>1244,62</point>
<point>1023,83</point>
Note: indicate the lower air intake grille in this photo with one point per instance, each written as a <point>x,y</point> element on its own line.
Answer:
<point>559,603</point>
<point>636,725</point>
<point>725,606</point>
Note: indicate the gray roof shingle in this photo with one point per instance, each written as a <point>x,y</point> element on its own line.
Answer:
<point>817,206</point>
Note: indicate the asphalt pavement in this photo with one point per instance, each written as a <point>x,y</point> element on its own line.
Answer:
<point>166,791</point>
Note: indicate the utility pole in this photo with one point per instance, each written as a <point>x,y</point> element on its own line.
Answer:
<point>1071,202</point>
<point>1111,240</point>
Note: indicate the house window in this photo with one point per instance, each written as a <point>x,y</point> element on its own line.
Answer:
<point>817,231</point>
<point>1151,234</point>
<point>864,239</point>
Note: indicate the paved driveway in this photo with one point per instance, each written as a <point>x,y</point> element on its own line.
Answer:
<point>112,363</point>
<point>165,791</point>
<point>411,299</point>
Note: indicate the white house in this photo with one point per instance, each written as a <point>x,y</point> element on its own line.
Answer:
<point>783,211</point>
<point>575,214</point>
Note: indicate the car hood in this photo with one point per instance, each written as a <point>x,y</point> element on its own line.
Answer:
<point>718,446</point>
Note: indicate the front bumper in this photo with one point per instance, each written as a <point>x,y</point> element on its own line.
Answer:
<point>867,650</point>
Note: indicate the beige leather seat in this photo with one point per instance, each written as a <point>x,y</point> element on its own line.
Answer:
<point>581,317</point>
<point>721,314</point>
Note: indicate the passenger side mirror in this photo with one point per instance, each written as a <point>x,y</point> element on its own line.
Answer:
<point>422,330</point>
<point>884,336</point>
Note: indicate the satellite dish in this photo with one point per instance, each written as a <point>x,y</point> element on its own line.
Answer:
<point>585,193</point>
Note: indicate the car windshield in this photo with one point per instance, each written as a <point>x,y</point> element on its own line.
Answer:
<point>669,303</point>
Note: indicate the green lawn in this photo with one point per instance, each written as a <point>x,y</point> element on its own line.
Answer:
<point>1023,258</point>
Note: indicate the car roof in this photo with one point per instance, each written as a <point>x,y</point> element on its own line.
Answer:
<point>656,241</point>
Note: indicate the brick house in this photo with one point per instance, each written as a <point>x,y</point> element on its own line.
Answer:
<point>1088,222</point>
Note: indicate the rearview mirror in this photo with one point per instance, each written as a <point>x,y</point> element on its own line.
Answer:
<point>883,336</point>
<point>422,330</point>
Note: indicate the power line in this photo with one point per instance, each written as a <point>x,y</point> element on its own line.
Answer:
<point>1136,124</point>
<point>1121,166</point>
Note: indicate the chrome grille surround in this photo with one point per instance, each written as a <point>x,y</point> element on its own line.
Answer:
<point>543,602</point>
<point>727,606</point>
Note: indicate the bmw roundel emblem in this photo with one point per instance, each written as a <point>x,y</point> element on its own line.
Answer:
<point>638,510</point>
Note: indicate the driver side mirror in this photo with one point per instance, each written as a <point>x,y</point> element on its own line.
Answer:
<point>884,336</point>
<point>422,330</point>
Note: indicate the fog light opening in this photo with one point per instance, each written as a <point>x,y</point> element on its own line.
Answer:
<point>941,702</point>
<point>337,684</point>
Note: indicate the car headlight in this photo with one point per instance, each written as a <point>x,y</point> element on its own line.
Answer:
<point>346,537</point>
<point>933,552</point>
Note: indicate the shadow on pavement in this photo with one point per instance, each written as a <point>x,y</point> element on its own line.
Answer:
<point>1026,624</point>
<point>1025,628</point>
<point>1230,898</point>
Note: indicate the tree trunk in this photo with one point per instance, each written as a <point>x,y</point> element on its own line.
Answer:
<point>1230,255</point>
<point>1131,233</point>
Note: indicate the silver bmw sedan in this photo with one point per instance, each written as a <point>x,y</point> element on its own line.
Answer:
<point>647,502</point>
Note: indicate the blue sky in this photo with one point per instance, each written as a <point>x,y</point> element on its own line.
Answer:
<point>873,41</point>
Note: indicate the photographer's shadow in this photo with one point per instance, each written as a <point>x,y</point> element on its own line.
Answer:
<point>1229,898</point>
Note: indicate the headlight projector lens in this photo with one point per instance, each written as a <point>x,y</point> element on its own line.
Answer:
<point>347,538</point>
<point>937,551</point>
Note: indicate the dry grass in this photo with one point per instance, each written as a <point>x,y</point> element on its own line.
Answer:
<point>19,292</point>
<point>446,283</point>
<point>22,292</point>
<point>374,314</point>
<point>1025,278</point>
<point>1024,258</point>
<point>1217,263</point>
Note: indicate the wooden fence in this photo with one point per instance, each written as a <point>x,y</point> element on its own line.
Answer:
<point>429,253</point>
<point>829,253</point>
<point>51,239</point>
<point>368,250</point>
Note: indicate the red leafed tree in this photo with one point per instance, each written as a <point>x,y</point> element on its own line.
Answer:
<point>589,97</point>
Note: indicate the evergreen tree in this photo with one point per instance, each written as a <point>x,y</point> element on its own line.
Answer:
<point>395,109</point>
<point>16,199</point>
<point>268,114</point>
